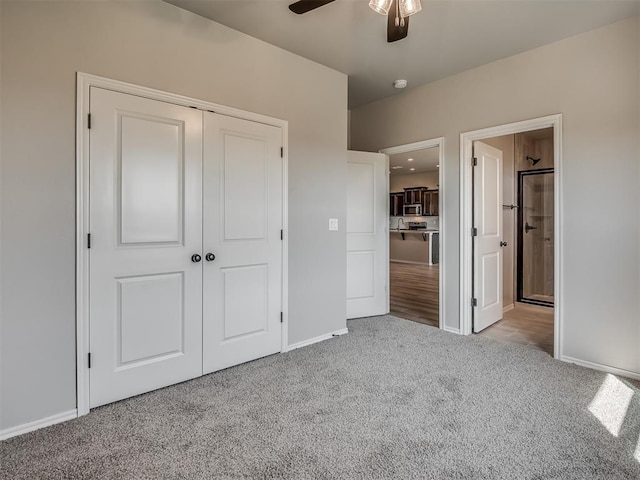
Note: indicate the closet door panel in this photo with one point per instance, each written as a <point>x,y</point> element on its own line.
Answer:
<point>242,224</point>
<point>145,223</point>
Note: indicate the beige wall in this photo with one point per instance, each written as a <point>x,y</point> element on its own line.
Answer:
<point>592,79</point>
<point>426,179</point>
<point>160,46</point>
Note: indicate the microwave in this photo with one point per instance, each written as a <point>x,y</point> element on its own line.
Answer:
<point>412,210</point>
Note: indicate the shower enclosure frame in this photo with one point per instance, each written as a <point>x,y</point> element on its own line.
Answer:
<point>520,238</point>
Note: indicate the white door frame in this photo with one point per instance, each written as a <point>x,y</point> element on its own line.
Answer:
<point>410,147</point>
<point>466,257</point>
<point>84,83</point>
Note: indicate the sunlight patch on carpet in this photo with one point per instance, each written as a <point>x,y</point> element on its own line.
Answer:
<point>610,404</point>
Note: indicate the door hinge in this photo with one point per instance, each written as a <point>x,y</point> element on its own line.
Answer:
<point>89,121</point>
<point>281,317</point>
<point>475,162</point>
<point>88,240</point>
<point>281,152</point>
<point>474,232</point>
<point>89,359</point>
<point>281,234</point>
<point>474,302</point>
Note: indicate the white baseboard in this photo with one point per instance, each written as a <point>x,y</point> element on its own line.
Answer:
<point>451,330</point>
<point>38,424</point>
<point>311,341</point>
<point>508,308</point>
<point>601,367</point>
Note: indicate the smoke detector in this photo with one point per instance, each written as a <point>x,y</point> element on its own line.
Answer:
<point>400,83</point>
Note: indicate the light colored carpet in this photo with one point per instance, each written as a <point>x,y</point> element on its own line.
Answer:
<point>392,399</point>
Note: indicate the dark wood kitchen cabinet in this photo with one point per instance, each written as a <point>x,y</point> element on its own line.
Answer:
<point>396,204</point>
<point>430,203</point>
<point>427,199</point>
<point>414,195</point>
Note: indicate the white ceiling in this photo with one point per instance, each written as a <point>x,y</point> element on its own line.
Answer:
<point>424,160</point>
<point>446,37</point>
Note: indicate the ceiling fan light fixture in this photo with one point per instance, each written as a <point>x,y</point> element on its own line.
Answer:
<point>409,7</point>
<point>381,6</point>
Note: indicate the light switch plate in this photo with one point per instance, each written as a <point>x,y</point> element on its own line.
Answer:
<point>333,224</point>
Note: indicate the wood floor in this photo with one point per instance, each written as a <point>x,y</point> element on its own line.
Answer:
<point>414,296</point>
<point>527,324</point>
<point>414,292</point>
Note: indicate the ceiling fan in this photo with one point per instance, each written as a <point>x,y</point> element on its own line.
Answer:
<point>397,12</point>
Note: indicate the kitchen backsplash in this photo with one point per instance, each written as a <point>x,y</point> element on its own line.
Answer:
<point>433,223</point>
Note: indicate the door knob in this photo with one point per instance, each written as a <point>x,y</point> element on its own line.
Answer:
<point>195,258</point>
<point>503,244</point>
<point>209,257</point>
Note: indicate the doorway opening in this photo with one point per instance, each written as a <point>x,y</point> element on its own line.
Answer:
<point>510,205</point>
<point>415,231</point>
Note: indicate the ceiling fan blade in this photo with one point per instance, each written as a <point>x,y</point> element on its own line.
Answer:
<point>304,6</point>
<point>396,33</point>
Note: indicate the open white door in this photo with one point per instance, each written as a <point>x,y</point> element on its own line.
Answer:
<point>487,249</point>
<point>367,234</point>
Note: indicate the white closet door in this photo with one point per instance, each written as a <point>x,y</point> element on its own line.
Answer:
<point>145,224</point>
<point>242,224</point>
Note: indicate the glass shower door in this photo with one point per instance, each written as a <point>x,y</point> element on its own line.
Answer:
<point>536,237</point>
